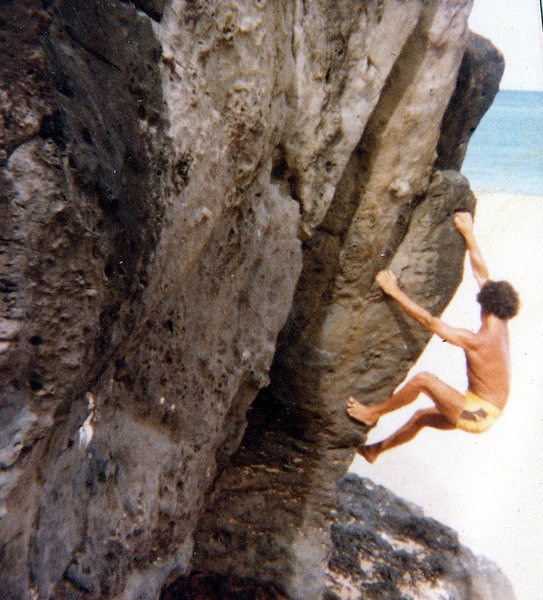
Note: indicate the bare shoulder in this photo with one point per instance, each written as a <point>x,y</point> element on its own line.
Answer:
<point>491,339</point>
<point>455,335</point>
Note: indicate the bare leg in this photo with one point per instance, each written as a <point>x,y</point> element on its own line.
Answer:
<point>431,417</point>
<point>447,400</point>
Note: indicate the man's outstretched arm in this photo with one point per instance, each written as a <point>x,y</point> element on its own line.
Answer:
<point>463,221</point>
<point>459,337</point>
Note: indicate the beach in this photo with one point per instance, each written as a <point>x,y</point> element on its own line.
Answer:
<point>488,487</point>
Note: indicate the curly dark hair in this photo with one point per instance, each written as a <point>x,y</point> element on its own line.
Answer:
<point>499,298</point>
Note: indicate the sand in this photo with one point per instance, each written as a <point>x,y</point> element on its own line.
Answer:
<point>488,487</point>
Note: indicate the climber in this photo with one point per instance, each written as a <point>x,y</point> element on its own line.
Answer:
<point>487,356</point>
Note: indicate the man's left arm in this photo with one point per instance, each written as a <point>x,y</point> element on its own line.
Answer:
<point>454,335</point>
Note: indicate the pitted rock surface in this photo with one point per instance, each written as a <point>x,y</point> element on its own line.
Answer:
<point>192,192</point>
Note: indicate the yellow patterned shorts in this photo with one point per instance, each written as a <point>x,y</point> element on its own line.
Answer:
<point>478,415</point>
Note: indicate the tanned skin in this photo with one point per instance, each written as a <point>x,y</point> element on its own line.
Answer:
<point>487,358</point>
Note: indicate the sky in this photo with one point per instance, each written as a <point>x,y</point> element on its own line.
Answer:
<point>514,26</point>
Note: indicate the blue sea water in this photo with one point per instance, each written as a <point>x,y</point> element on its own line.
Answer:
<point>505,154</point>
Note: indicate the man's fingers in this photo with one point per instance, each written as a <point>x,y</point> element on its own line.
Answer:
<point>463,219</point>
<point>387,281</point>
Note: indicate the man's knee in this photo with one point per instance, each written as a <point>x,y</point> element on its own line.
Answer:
<point>423,379</point>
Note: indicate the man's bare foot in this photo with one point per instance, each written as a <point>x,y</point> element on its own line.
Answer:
<point>361,413</point>
<point>370,453</point>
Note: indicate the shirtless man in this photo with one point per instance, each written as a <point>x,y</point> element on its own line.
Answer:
<point>487,356</point>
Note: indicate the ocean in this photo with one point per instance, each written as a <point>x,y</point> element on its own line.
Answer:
<point>505,154</point>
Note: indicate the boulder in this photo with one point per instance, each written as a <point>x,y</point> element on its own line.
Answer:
<point>384,548</point>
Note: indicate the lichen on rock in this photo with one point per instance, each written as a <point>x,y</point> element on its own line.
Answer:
<point>385,548</point>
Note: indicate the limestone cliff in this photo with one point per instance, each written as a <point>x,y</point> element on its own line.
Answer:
<point>195,196</point>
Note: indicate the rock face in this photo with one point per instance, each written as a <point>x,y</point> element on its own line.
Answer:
<point>478,83</point>
<point>180,182</point>
<point>298,439</point>
<point>385,548</point>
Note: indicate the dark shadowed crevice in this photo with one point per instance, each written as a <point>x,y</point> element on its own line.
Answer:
<point>53,127</point>
<point>282,174</point>
<point>153,8</point>
<point>102,90</point>
<point>205,586</point>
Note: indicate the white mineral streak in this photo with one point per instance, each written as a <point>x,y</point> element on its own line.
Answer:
<point>86,431</point>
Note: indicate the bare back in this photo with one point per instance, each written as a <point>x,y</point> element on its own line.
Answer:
<point>488,362</point>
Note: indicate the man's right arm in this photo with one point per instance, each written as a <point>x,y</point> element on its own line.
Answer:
<point>454,335</point>
<point>464,223</point>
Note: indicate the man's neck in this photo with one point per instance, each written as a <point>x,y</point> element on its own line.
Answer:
<point>488,320</point>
